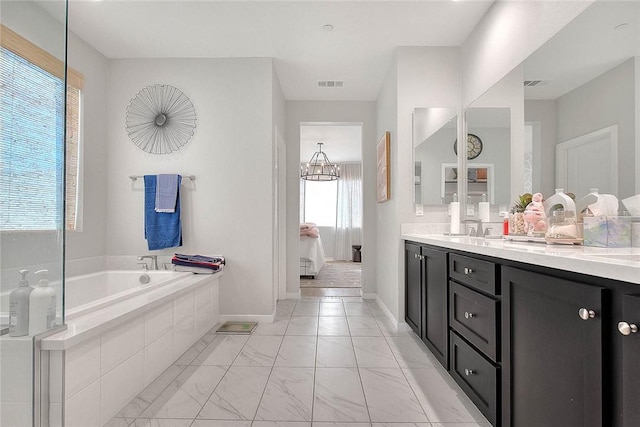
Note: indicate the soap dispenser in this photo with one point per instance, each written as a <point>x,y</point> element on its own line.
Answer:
<point>42,306</point>
<point>19,307</point>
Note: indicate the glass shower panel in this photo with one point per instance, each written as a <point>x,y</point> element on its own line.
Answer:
<point>32,200</point>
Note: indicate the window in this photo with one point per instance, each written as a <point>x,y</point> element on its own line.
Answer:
<point>320,202</point>
<point>32,137</point>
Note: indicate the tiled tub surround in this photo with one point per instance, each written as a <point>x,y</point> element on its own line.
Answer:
<point>327,361</point>
<point>113,353</point>
<point>621,264</point>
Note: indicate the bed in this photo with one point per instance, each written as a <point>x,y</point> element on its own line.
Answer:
<point>311,256</point>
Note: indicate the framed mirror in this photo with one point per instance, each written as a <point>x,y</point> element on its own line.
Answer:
<point>434,132</point>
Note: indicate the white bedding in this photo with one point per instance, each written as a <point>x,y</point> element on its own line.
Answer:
<point>311,249</point>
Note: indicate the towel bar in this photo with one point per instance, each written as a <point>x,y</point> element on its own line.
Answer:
<point>135,177</point>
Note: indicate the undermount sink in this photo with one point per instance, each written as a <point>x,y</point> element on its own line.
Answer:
<point>623,257</point>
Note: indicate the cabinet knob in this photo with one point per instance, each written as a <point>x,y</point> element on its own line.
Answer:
<point>627,328</point>
<point>586,314</point>
<point>468,315</point>
<point>415,256</point>
<point>468,270</point>
<point>468,372</point>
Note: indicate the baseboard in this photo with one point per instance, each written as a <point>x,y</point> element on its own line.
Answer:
<point>369,296</point>
<point>267,318</point>
<point>387,312</point>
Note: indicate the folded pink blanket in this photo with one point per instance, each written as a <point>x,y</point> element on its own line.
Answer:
<point>310,232</point>
<point>307,225</point>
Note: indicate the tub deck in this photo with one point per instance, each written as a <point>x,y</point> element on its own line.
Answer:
<point>94,322</point>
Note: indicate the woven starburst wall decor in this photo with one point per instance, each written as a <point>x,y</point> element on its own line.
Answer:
<point>160,119</point>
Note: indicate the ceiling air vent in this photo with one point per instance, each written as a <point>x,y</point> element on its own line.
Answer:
<point>330,83</point>
<point>533,83</point>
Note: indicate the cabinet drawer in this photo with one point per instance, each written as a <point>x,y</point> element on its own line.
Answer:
<point>476,376</point>
<point>475,317</point>
<point>474,272</point>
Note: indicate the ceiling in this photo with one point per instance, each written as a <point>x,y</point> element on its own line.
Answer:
<point>587,47</point>
<point>359,50</point>
<point>342,142</point>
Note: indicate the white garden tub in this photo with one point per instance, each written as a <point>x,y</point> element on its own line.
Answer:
<point>122,334</point>
<point>89,292</point>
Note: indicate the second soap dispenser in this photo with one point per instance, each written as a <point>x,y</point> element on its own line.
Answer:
<point>42,306</point>
<point>19,307</point>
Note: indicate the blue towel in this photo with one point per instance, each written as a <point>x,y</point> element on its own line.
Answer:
<point>167,192</point>
<point>162,230</point>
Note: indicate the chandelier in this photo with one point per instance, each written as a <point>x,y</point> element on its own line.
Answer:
<point>319,168</point>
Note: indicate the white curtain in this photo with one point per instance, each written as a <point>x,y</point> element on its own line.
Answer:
<point>349,210</point>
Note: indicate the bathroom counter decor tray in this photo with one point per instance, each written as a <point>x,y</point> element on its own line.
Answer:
<point>525,238</point>
<point>238,328</point>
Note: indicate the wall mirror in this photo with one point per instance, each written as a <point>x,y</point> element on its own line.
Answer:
<point>488,154</point>
<point>580,108</point>
<point>434,133</point>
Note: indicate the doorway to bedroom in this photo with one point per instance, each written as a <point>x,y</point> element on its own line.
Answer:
<point>331,210</point>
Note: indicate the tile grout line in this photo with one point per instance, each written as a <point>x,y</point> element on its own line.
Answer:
<point>269,377</point>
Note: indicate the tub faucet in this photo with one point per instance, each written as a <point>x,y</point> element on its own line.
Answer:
<point>153,258</point>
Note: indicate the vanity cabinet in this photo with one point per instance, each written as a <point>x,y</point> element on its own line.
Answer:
<point>474,337</point>
<point>413,305</point>
<point>628,332</point>
<point>426,297</point>
<point>532,346</point>
<point>552,336</point>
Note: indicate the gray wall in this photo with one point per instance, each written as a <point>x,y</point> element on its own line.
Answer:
<point>604,101</point>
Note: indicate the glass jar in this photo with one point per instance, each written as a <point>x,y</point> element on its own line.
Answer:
<point>562,225</point>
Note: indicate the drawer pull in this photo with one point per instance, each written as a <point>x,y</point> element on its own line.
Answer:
<point>468,315</point>
<point>627,328</point>
<point>468,270</point>
<point>586,314</point>
<point>468,372</point>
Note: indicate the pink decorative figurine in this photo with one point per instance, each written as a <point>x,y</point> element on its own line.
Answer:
<point>535,216</point>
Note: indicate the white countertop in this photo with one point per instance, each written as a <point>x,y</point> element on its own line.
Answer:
<point>621,264</point>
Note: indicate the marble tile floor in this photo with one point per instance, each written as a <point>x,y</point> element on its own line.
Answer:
<point>324,362</point>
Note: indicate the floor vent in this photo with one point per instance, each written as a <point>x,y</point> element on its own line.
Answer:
<point>237,328</point>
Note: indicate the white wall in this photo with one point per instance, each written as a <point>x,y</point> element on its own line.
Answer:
<point>91,240</point>
<point>508,33</point>
<point>604,101</point>
<point>421,77</point>
<point>331,111</point>
<point>228,208</point>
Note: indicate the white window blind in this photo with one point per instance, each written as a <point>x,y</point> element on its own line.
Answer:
<point>32,132</point>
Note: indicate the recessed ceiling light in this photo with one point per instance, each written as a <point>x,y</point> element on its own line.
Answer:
<point>328,27</point>
<point>622,26</point>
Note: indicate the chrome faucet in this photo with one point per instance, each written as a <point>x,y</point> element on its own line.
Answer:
<point>478,230</point>
<point>153,258</point>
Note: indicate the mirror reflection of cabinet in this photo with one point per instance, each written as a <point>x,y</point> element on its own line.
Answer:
<point>480,182</point>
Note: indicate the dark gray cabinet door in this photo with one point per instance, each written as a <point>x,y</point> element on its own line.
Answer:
<point>413,301</point>
<point>552,358</point>
<point>436,329</point>
<point>628,327</point>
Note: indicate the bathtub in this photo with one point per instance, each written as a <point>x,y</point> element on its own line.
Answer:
<point>121,335</point>
<point>89,292</point>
